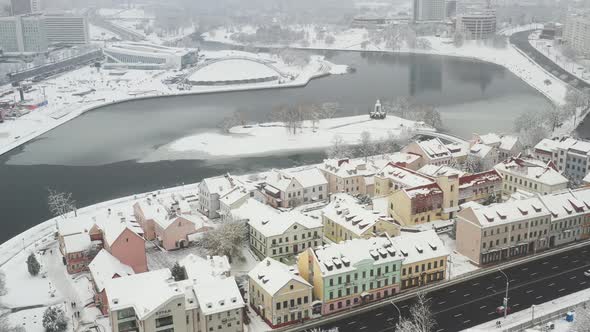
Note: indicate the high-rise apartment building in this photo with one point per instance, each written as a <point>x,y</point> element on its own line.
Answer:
<point>21,7</point>
<point>429,10</point>
<point>577,33</point>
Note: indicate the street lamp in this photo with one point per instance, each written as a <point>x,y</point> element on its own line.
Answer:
<point>505,302</point>
<point>399,311</point>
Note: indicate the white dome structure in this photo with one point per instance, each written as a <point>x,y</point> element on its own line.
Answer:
<point>233,71</point>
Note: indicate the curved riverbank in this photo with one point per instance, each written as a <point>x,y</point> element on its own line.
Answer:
<point>209,90</point>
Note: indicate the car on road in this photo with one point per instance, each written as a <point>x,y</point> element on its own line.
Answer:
<point>500,310</point>
<point>587,273</point>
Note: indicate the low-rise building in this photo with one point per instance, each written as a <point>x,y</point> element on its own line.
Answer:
<point>394,177</point>
<point>210,192</point>
<point>278,294</point>
<point>486,155</point>
<point>503,231</point>
<point>351,273</point>
<point>233,199</point>
<point>424,258</point>
<point>105,267</point>
<point>484,187</point>
<point>276,234</point>
<point>345,218</point>
<point>432,151</point>
<point>352,176</point>
<point>530,175</point>
<point>507,145</point>
<point>154,302</point>
<point>290,189</point>
<point>570,156</point>
<point>138,55</point>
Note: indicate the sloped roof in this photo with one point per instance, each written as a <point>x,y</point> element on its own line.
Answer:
<point>105,266</point>
<point>272,275</point>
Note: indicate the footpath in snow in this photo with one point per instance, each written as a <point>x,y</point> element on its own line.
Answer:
<point>274,137</point>
<point>71,94</point>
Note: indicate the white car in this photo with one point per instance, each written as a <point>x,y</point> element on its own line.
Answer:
<point>587,273</point>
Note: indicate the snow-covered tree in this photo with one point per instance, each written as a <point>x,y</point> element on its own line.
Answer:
<point>178,272</point>
<point>530,128</point>
<point>431,117</point>
<point>54,320</point>
<point>339,149</point>
<point>472,164</point>
<point>6,327</point>
<point>574,99</point>
<point>554,116</point>
<point>236,119</point>
<point>60,204</point>
<point>421,316</point>
<point>366,146</point>
<point>329,40</point>
<point>227,239</point>
<point>291,117</point>
<point>33,265</point>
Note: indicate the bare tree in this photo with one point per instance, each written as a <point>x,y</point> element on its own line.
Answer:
<point>339,149</point>
<point>330,109</point>
<point>458,38</point>
<point>431,116</point>
<point>236,119</point>
<point>472,164</point>
<point>60,204</point>
<point>291,117</point>
<point>554,116</point>
<point>366,145</point>
<point>421,317</point>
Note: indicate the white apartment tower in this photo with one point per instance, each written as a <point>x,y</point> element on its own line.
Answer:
<point>577,33</point>
<point>429,10</point>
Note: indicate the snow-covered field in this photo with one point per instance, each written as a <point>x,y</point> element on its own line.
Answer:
<point>358,39</point>
<point>31,320</point>
<point>18,279</point>
<point>102,88</point>
<point>271,137</point>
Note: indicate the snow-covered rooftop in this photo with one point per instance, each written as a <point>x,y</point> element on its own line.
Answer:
<point>480,150</point>
<point>347,212</point>
<point>567,204</point>
<point>197,267</point>
<point>272,275</point>
<point>553,144</point>
<point>434,148</point>
<point>442,170</point>
<point>421,191</point>
<point>105,267</point>
<point>504,142</point>
<point>471,180</point>
<point>234,195</point>
<point>532,169</point>
<point>509,212</point>
<point>234,70</point>
<point>144,292</point>
<point>220,184</point>
<point>271,222</point>
<point>218,295</point>
<point>77,243</point>
<point>420,246</point>
<point>147,49</point>
<point>344,256</point>
<point>403,176</point>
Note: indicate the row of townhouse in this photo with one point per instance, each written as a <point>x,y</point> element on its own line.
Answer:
<point>490,234</point>
<point>336,277</point>
<point>433,192</point>
<point>290,189</point>
<point>169,221</point>
<point>277,234</point>
<point>82,238</point>
<point>208,300</point>
<point>530,175</point>
<point>571,156</point>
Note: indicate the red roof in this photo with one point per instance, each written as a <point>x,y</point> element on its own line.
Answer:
<point>479,178</point>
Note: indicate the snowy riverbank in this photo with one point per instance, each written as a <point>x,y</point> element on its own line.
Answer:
<point>358,40</point>
<point>274,137</point>
<point>76,92</point>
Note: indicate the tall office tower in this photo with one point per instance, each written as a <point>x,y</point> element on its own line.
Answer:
<point>429,10</point>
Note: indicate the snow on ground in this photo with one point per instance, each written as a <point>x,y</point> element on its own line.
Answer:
<point>31,320</point>
<point>567,302</point>
<point>458,264</point>
<point>99,34</point>
<point>100,87</point>
<point>39,289</point>
<point>355,39</point>
<point>233,70</point>
<point>549,49</point>
<point>269,137</point>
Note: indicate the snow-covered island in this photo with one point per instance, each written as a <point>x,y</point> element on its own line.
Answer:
<point>275,136</point>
